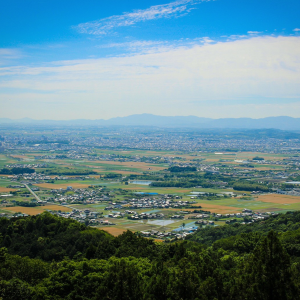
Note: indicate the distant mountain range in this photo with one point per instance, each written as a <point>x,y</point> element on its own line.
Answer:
<point>283,123</point>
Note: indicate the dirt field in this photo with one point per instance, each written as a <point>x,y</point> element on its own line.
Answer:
<point>212,159</point>
<point>113,230</point>
<point>25,210</point>
<point>268,168</point>
<point>56,207</point>
<point>62,185</point>
<point>221,209</point>
<point>35,210</point>
<point>279,199</point>
<point>3,189</point>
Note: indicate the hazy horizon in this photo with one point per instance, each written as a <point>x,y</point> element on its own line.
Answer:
<point>60,60</point>
<point>141,114</point>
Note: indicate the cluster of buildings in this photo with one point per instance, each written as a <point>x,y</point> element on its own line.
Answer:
<point>80,140</point>
<point>83,216</point>
<point>157,203</point>
<point>30,166</point>
<point>146,216</point>
<point>88,196</point>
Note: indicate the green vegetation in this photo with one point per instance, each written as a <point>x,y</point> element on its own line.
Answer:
<point>68,260</point>
<point>282,223</point>
<point>49,257</point>
<point>241,186</point>
<point>112,176</point>
<point>182,169</point>
<point>67,171</point>
<point>258,158</point>
<point>26,204</point>
<point>16,171</point>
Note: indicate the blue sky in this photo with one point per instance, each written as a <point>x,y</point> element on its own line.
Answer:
<point>101,59</point>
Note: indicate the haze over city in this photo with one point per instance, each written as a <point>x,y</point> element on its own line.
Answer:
<point>63,60</point>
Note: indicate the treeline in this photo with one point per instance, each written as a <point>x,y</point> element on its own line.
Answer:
<point>241,186</point>
<point>182,169</point>
<point>130,267</point>
<point>16,171</point>
<point>52,238</point>
<point>111,175</point>
<point>67,171</point>
<point>283,223</point>
<point>26,204</point>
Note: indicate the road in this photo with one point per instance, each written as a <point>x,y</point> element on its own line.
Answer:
<point>33,193</point>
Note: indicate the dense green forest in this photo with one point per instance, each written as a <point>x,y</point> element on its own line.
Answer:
<point>182,169</point>
<point>67,171</point>
<point>242,186</point>
<point>48,257</point>
<point>16,171</point>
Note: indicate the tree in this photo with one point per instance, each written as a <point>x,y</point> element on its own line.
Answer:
<point>267,273</point>
<point>182,225</point>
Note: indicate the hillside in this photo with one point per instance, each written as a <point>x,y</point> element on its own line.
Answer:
<point>47,257</point>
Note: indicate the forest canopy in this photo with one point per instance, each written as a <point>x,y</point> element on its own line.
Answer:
<point>49,257</point>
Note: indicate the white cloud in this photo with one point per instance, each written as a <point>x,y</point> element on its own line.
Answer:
<point>254,32</point>
<point>296,29</point>
<point>8,54</point>
<point>142,46</point>
<point>176,81</point>
<point>106,25</point>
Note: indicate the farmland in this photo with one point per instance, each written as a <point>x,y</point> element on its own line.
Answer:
<point>159,181</point>
<point>35,210</point>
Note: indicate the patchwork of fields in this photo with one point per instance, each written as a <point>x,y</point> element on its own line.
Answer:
<point>231,162</point>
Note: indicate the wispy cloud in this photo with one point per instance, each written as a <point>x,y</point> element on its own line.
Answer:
<point>106,25</point>
<point>254,32</point>
<point>296,29</point>
<point>144,47</point>
<point>7,54</point>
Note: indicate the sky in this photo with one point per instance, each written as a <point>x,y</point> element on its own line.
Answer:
<point>96,59</point>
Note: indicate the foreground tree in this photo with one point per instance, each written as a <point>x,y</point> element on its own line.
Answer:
<point>267,273</point>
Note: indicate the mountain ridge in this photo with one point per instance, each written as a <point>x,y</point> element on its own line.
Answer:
<point>280,122</point>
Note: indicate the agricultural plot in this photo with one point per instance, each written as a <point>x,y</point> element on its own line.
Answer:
<point>4,189</point>
<point>113,230</point>
<point>261,203</point>
<point>210,166</point>
<point>35,210</point>
<point>4,181</point>
<point>62,185</point>
<point>279,199</point>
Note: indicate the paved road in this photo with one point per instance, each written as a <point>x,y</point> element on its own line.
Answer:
<point>33,193</point>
